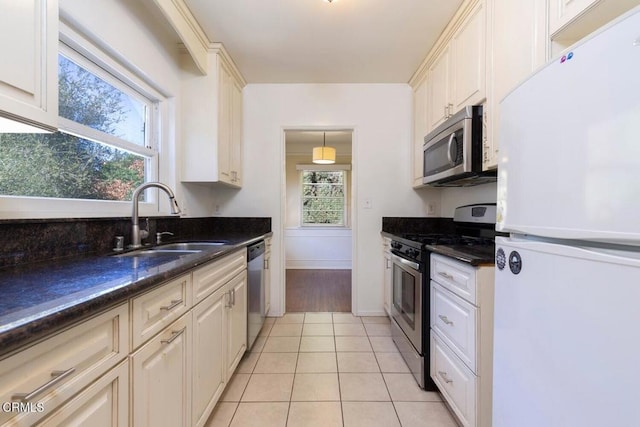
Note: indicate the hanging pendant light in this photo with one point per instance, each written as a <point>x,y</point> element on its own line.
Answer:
<point>324,155</point>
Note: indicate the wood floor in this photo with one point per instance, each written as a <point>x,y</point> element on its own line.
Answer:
<point>318,290</point>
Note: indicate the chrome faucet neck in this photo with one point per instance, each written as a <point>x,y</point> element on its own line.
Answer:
<point>136,240</point>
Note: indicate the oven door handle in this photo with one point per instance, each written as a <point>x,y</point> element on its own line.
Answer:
<point>406,262</point>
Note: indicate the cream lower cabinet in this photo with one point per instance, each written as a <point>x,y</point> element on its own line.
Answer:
<point>219,329</point>
<point>105,403</point>
<point>236,322</point>
<point>387,272</point>
<point>461,298</point>
<point>209,330</point>
<point>267,275</point>
<point>46,381</point>
<point>161,378</point>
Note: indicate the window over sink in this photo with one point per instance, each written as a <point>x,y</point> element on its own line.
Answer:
<point>107,144</point>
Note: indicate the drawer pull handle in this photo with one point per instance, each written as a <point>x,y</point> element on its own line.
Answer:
<point>174,304</point>
<point>174,335</point>
<point>445,275</point>
<point>58,376</point>
<point>445,319</point>
<point>229,303</point>
<point>444,376</point>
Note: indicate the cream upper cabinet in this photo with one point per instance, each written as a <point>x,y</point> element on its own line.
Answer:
<point>457,73</point>
<point>212,121</point>
<point>438,99</point>
<point>561,12</point>
<point>468,51</point>
<point>419,129</point>
<point>572,20</point>
<point>29,65</point>
<point>511,59</point>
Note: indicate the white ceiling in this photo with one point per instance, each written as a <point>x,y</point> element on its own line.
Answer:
<point>311,41</point>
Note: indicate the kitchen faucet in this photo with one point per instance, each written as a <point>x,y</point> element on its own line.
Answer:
<point>136,234</point>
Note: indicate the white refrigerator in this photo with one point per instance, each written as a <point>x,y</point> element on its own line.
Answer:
<point>567,296</point>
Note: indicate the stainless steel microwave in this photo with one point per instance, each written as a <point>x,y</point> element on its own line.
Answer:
<point>453,152</point>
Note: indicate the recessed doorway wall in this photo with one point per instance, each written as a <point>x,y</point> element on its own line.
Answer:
<point>317,255</point>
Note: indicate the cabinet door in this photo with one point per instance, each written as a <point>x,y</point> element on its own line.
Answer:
<point>161,391</point>
<point>468,65</point>
<point>236,321</point>
<point>438,108</point>
<point>105,403</point>
<point>224,124</point>
<point>387,281</point>
<point>29,70</point>
<point>511,61</point>
<point>267,280</point>
<point>236,134</point>
<point>419,130</point>
<point>561,12</point>
<point>208,354</point>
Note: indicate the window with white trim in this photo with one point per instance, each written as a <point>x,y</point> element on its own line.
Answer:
<point>324,197</point>
<point>104,149</point>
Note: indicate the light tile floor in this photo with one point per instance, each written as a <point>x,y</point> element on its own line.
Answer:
<point>326,369</point>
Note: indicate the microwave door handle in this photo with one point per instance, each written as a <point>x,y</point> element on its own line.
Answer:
<point>452,138</point>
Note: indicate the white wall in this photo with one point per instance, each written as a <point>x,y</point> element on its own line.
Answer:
<point>454,197</point>
<point>380,116</point>
<point>318,248</point>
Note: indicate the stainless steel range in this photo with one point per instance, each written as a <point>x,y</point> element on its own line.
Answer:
<point>472,242</point>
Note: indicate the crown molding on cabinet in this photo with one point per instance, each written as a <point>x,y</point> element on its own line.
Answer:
<point>188,29</point>
<point>463,11</point>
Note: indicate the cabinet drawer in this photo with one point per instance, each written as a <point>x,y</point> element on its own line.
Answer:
<point>212,276</point>
<point>455,320</point>
<point>103,403</point>
<point>54,370</point>
<point>456,382</point>
<point>153,311</point>
<point>458,277</point>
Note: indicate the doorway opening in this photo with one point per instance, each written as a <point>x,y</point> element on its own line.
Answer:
<point>317,223</point>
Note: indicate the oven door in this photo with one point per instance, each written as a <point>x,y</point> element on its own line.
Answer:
<point>406,307</point>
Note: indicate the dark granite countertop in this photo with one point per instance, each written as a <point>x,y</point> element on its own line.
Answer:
<point>41,298</point>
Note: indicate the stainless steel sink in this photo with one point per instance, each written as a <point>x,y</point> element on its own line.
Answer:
<point>175,249</point>
<point>152,252</point>
<point>187,246</point>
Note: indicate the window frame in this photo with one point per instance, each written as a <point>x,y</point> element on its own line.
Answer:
<point>115,71</point>
<point>325,168</point>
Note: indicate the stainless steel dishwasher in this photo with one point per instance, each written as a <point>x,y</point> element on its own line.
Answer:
<point>255,297</point>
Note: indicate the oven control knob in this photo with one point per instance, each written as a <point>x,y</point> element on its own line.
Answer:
<point>413,253</point>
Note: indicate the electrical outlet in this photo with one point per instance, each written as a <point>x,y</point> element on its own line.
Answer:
<point>367,203</point>
<point>431,208</point>
<point>217,210</point>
